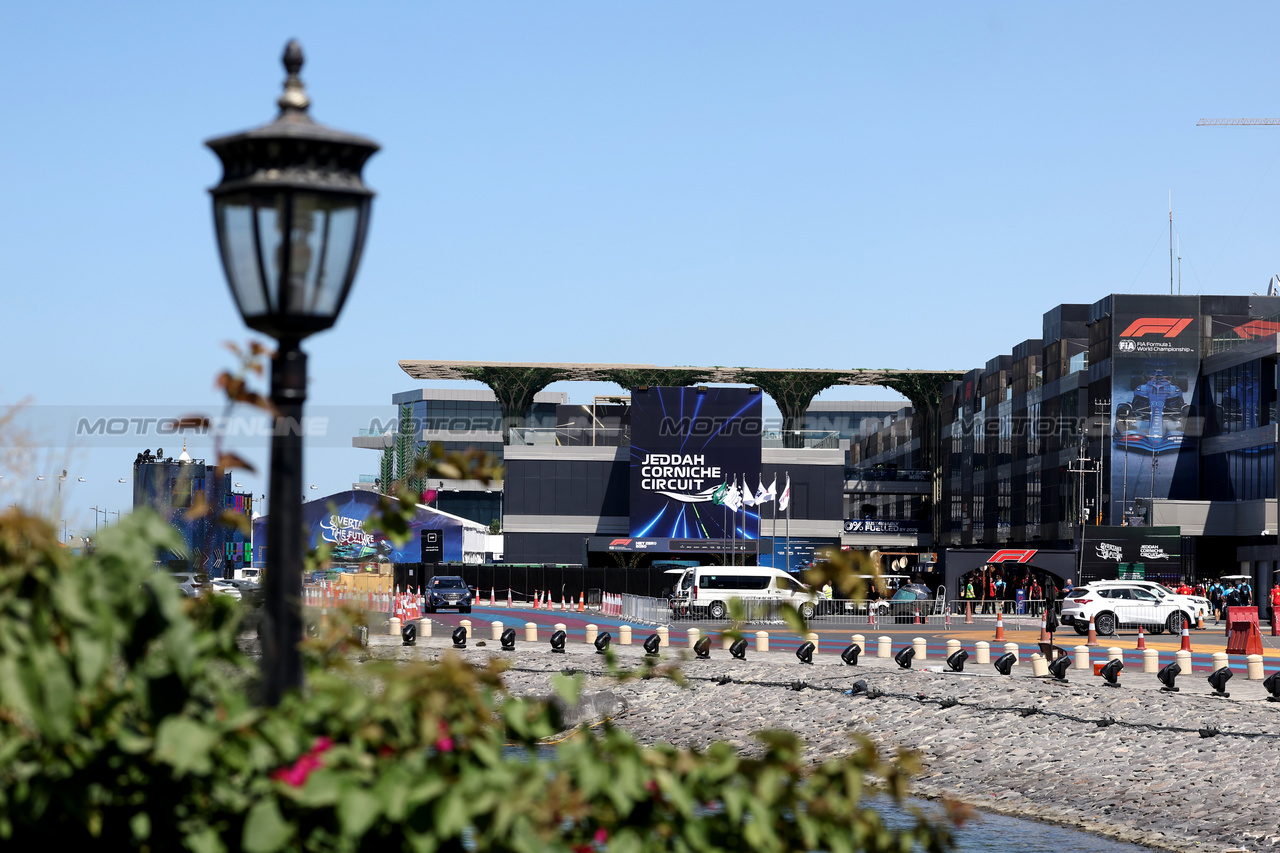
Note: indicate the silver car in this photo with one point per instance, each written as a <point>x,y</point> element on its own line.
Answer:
<point>189,583</point>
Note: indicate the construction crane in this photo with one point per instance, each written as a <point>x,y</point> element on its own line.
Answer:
<point>1224,122</point>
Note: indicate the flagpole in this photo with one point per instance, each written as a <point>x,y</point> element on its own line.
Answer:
<point>773,529</point>
<point>734,548</point>
<point>788,521</point>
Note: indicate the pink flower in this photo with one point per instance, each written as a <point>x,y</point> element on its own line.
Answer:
<point>429,495</point>
<point>296,776</point>
<point>445,743</point>
<point>602,835</point>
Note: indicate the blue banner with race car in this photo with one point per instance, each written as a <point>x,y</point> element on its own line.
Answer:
<point>1154,364</point>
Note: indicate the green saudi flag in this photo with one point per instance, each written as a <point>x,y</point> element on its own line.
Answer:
<point>717,497</point>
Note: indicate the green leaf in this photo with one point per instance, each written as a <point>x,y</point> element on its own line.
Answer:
<point>205,841</point>
<point>567,687</point>
<point>357,810</point>
<point>184,744</point>
<point>140,826</point>
<point>322,788</point>
<point>265,829</point>
<point>794,620</point>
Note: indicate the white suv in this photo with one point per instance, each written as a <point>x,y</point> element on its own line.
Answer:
<point>1195,606</point>
<point>1113,604</point>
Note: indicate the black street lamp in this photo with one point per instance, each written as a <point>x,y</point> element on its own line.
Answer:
<point>291,215</point>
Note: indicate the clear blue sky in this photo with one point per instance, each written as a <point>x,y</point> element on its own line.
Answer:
<point>775,185</point>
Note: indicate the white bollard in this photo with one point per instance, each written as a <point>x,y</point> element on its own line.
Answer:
<point>1220,660</point>
<point>590,633</point>
<point>920,646</point>
<point>725,641</point>
<point>953,646</point>
<point>664,636</point>
<point>1115,653</point>
<point>624,635</point>
<point>466,623</point>
<point>811,637</point>
<point>424,627</point>
<point>1150,660</point>
<point>1082,662</point>
<point>560,626</point>
<point>762,641</point>
<point>982,652</point>
<point>860,640</point>
<point>1183,659</point>
<point>531,632</point>
<point>884,647</point>
<point>1012,649</point>
<point>1255,667</point>
<point>1039,666</point>
<point>694,635</point>
<point>395,626</point>
<point>495,630</point>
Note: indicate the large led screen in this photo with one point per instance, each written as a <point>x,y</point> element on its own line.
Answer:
<point>690,450</point>
<point>1154,364</point>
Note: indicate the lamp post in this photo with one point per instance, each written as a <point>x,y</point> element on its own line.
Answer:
<point>291,215</point>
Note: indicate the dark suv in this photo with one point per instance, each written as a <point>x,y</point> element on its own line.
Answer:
<point>448,591</point>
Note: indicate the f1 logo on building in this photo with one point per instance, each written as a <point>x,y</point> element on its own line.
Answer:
<point>1170,327</point>
<point>1012,555</point>
<point>633,544</point>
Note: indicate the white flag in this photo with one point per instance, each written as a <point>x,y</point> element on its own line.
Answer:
<point>747,498</point>
<point>785,500</point>
<point>733,498</point>
<point>773,488</point>
<point>762,494</point>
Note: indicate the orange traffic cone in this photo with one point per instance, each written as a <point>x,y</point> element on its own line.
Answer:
<point>968,613</point>
<point>1093,634</point>
<point>536,601</point>
<point>919,621</point>
<point>1142,640</point>
<point>1186,638</point>
<point>564,603</point>
<point>999,626</point>
<point>582,601</point>
<point>508,597</point>
<point>493,597</point>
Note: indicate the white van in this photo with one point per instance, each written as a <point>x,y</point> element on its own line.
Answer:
<point>708,589</point>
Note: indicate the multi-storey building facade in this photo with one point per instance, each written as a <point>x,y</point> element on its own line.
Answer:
<point>1136,410</point>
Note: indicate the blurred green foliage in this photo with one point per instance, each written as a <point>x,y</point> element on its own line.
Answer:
<point>127,722</point>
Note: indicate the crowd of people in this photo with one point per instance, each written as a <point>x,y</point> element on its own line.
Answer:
<point>1009,591</point>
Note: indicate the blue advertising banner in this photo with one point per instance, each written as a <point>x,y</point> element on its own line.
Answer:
<point>695,456</point>
<point>339,522</point>
<point>1154,364</point>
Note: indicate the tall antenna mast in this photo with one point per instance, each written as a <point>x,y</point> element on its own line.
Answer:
<point>1179,264</point>
<point>1171,242</point>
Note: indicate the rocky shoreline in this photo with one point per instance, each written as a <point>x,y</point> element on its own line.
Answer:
<point>1181,772</point>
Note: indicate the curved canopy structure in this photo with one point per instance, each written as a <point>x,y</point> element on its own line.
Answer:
<point>515,383</point>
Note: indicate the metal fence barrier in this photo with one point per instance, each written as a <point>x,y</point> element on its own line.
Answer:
<point>639,608</point>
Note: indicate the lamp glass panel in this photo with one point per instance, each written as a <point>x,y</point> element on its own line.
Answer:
<point>270,218</point>
<point>240,254</point>
<point>342,221</point>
